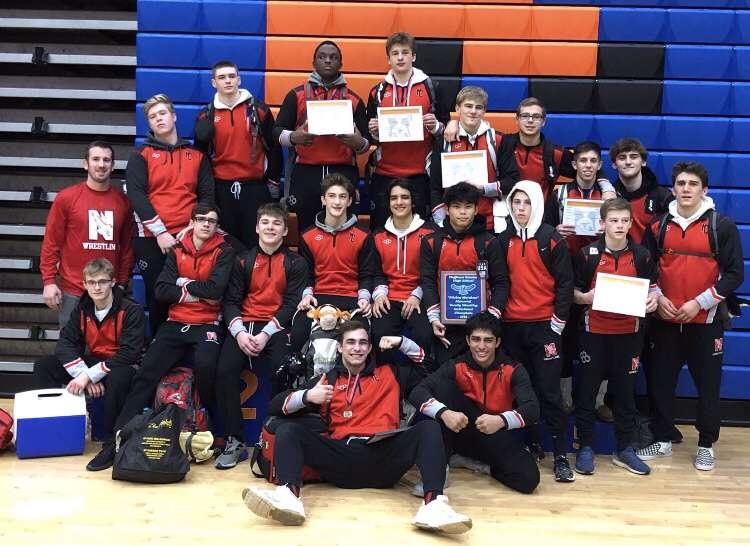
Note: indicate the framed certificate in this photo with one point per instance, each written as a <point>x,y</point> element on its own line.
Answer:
<point>583,214</point>
<point>464,167</point>
<point>462,295</point>
<point>330,117</point>
<point>620,294</point>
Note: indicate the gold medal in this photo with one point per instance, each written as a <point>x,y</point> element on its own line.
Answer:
<point>347,414</point>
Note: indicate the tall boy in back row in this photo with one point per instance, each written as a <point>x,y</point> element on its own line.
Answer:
<point>404,85</point>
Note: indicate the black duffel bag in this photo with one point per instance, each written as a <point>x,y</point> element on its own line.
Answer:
<point>148,448</point>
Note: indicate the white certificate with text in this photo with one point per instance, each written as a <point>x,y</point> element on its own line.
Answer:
<point>400,124</point>
<point>620,294</point>
<point>330,117</point>
<point>464,167</point>
<point>583,214</point>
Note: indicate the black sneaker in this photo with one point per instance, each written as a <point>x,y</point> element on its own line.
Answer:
<point>537,451</point>
<point>563,472</point>
<point>104,459</point>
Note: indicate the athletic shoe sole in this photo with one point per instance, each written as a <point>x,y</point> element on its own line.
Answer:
<point>452,528</point>
<point>623,464</point>
<point>260,506</point>
<point>704,468</point>
<point>652,457</point>
<point>579,471</point>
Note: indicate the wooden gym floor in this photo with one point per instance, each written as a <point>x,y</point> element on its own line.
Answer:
<point>56,501</point>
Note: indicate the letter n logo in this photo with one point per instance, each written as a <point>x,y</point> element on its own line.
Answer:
<point>101,223</point>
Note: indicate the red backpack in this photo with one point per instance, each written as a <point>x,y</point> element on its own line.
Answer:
<point>262,463</point>
<point>177,388</point>
<point>6,434</point>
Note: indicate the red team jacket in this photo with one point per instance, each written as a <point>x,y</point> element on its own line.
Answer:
<point>116,340</point>
<point>190,277</point>
<point>84,224</point>
<point>264,288</point>
<point>397,260</point>
<point>647,202</point>
<point>503,389</point>
<point>165,182</point>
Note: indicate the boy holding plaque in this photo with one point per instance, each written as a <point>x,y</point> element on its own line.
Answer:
<point>700,265</point>
<point>474,135</point>
<point>541,291</point>
<point>404,86</point>
<point>315,156</point>
<point>464,247</point>
<point>611,343</point>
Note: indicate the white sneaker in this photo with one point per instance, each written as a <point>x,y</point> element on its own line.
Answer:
<point>278,504</point>
<point>655,450</point>
<point>418,489</point>
<point>704,459</point>
<point>459,461</point>
<point>439,516</point>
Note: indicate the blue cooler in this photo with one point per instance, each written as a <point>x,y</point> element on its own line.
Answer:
<point>49,422</point>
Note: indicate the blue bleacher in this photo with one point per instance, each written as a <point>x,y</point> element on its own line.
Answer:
<point>651,3</point>
<point>735,383</point>
<point>199,51</point>
<point>188,85</point>
<point>694,133</point>
<point>701,26</point>
<point>504,93</point>
<point>696,97</point>
<point>740,135</point>
<point>568,129</point>
<point>705,62</point>
<point>745,238</point>
<point>631,25</point>
<point>204,16</point>
<point>609,129</point>
<point>742,63</point>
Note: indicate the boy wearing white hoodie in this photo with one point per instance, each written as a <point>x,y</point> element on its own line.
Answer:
<point>700,265</point>
<point>397,297</point>
<point>541,292</point>
<point>474,133</point>
<point>236,131</point>
<point>403,85</point>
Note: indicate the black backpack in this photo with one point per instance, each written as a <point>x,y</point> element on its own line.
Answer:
<point>148,448</point>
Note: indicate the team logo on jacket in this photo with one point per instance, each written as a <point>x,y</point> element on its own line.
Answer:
<point>212,337</point>
<point>593,251</point>
<point>387,241</point>
<point>584,357</point>
<point>217,119</point>
<point>419,92</point>
<point>188,155</point>
<point>602,262</point>
<point>352,237</point>
<point>155,155</point>
<point>718,345</point>
<point>318,237</point>
<point>635,363</point>
<point>386,94</point>
<point>550,351</point>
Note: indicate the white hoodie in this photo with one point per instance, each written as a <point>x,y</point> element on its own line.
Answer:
<point>534,191</point>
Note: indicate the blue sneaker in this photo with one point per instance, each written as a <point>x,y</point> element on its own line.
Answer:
<point>585,461</point>
<point>628,460</point>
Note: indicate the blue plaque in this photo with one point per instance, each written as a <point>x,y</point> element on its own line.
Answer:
<point>462,295</point>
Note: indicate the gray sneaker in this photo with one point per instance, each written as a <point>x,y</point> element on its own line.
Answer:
<point>234,452</point>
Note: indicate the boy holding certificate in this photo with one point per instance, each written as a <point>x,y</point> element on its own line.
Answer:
<point>611,343</point>
<point>541,291</point>
<point>474,134</point>
<point>318,155</point>
<point>403,86</point>
<point>700,265</point>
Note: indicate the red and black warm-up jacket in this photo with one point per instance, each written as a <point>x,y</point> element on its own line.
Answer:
<point>339,260</point>
<point>326,149</point>
<point>405,159</point>
<point>115,341</point>
<point>531,164</point>
<point>689,266</point>
<point>264,288</point>
<point>84,224</point>
<point>375,402</point>
<point>164,182</point>
<point>541,276</point>
<point>446,250</point>
<point>648,202</point>
<point>503,388</point>
<point>633,261</point>
<point>191,277</point>
<point>239,140</point>
<point>397,261</point>
<point>504,176</point>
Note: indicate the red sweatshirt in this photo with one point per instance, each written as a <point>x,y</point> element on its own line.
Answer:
<point>84,224</point>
